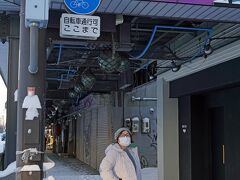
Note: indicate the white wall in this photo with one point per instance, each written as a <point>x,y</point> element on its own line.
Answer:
<point>168,144</point>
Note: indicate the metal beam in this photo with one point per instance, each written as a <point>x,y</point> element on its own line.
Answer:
<point>11,123</point>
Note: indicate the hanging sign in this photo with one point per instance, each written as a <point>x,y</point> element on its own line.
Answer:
<point>82,6</point>
<point>79,26</point>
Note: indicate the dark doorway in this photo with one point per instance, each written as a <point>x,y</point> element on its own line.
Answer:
<point>217,147</point>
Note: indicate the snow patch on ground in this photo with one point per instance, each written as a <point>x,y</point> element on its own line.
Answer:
<point>2,144</point>
<point>30,168</point>
<point>150,173</point>
<point>147,174</point>
<point>9,170</point>
<point>48,164</point>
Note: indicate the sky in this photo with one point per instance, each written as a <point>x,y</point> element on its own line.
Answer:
<point>3,96</point>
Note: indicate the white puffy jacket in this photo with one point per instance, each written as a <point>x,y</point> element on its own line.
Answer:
<point>117,165</point>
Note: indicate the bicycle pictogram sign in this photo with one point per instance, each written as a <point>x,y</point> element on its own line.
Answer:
<point>82,6</point>
<point>79,3</point>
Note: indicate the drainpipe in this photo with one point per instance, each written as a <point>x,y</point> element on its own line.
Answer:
<point>33,66</point>
<point>143,99</point>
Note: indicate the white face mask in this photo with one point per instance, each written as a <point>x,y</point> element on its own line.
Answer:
<point>31,93</point>
<point>124,141</point>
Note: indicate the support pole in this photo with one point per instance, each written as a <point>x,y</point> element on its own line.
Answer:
<point>33,66</point>
<point>11,123</point>
<point>167,131</point>
<point>30,132</point>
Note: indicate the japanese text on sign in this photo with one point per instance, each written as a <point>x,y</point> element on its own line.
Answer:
<point>80,26</point>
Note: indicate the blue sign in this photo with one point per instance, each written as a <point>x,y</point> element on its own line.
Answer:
<point>82,6</point>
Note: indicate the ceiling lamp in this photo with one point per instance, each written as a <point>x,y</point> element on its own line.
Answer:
<point>78,88</point>
<point>175,67</point>
<point>88,80</point>
<point>108,62</point>
<point>208,48</point>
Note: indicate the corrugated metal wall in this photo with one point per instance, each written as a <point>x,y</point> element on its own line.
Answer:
<point>94,131</point>
<point>86,136</point>
<point>93,138</point>
<point>104,132</point>
<point>79,138</point>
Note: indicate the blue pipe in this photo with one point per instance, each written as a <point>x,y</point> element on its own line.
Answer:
<point>189,60</point>
<point>66,47</point>
<point>70,47</point>
<point>168,27</point>
<point>57,79</point>
<point>56,69</point>
<point>184,28</point>
<point>59,54</point>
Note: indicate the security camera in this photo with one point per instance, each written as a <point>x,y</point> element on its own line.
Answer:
<point>151,110</point>
<point>3,41</point>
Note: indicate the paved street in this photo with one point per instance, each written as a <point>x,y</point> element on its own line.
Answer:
<point>73,169</point>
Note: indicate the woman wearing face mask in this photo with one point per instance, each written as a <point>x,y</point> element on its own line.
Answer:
<point>121,161</point>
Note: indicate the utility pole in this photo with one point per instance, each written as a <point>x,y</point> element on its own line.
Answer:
<point>30,132</point>
<point>11,123</point>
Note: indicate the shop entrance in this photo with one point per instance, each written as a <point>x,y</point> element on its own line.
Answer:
<point>217,146</point>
